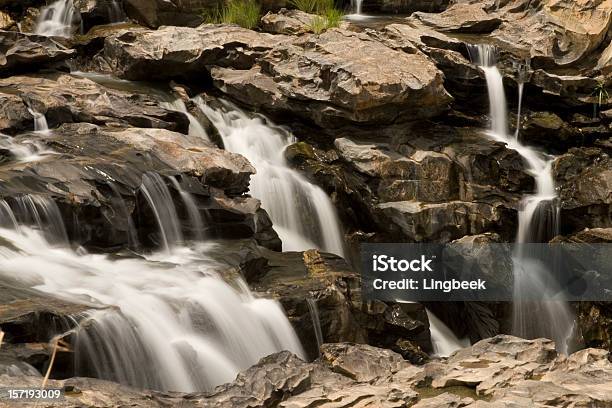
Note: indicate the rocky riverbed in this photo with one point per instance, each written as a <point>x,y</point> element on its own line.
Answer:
<point>386,119</point>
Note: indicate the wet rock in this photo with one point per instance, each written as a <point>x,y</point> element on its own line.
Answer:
<point>171,52</point>
<point>97,179</point>
<point>99,12</point>
<point>441,222</point>
<point>156,13</point>
<point>66,98</point>
<point>28,315</point>
<point>335,289</point>
<point>24,52</point>
<point>330,79</point>
<point>548,130</point>
<point>583,176</point>
<point>291,22</point>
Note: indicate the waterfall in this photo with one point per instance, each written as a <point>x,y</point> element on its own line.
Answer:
<point>316,321</point>
<point>166,321</point>
<point>443,340</point>
<point>115,12</point>
<point>195,219</point>
<point>24,150</point>
<point>357,6</point>
<point>538,221</point>
<point>303,215</point>
<point>523,71</point>
<point>174,324</point>
<point>40,121</point>
<point>56,19</point>
<point>195,127</point>
<point>159,198</point>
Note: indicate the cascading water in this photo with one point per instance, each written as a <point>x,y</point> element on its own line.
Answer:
<point>357,6</point>
<point>159,199</point>
<point>538,220</point>
<point>115,12</point>
<point>195,127</point>
<point>443,340</point>
<point>40,121</point>
<point>172,322</point>
<point>23,149</point>
<point>303,215</point>
<point>523,71</point>
<point>56,20</point>
<point>316,321</point>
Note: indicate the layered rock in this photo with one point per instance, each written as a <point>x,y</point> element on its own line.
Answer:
<point>500,372</point>
<point>97,182</point>
<point>65,98</point>
<point>24,52</point>
<point>559,32</point>
<point>291,22</point>
<point>331,79</point>
<point>341,82</point>
<point>329,284</point>
<point>170,52</point>
<point>584,176</point>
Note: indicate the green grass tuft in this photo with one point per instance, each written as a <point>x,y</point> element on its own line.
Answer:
<point>245,13</point>
<point>328,15</point>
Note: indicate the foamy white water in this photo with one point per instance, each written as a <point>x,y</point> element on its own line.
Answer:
<point>443,339</point>
<point>538,220</point>
<point>302,213</point>
<point>56,19</point>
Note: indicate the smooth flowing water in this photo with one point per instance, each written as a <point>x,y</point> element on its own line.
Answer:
<point>303,215</point>
<point>538,220</point>
<point>316,321</point>
<point>172,321</point>
<point>115,12</point>
<point>56,20</point>
<point>443,339</point>
<point>195,127</point>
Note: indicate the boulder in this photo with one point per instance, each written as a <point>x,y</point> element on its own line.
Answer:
<point>23,52</point>
<point>67,98</point>
<point>169,52</point>
<point>331,79</point>
<point>290,22</point>
<point>462,18</point>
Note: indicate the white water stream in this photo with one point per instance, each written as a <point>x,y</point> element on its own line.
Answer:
<point>303,215</point>
<point>56,20</point>
<point>173,324</point>
<point>538,220</point>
